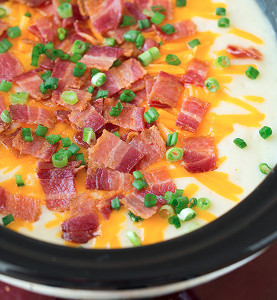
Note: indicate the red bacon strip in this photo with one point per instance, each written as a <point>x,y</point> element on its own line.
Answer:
<point>241,52</point>
<point>32,3</point>
<point>58,184</point>
<point>149,43</point>
<point>199,154</point>
<point>192,112</point>
<point>166,91</point>
<point>104,205</point>
<point>196,73</point>
<point>45,29</point>
<point>151,144</point>
<point>3,125</point>
<point>9,66</point>
<point>134,10</point>
<point>147,4</point>
<point>32,115</point>
<point>47,64</point>
<point>118,34</point>
<point>82,223</point>
<point>62,115</point>
<point>3,26</point>
<point>84,32</point>
<point>123,76</point>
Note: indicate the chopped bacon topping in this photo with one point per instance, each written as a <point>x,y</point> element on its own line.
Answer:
<point>99,105</point>
<point>199,154</point>
<point>166,91</point>
<point>47,64</point>
<point>104,205</point>
<point>3,125</point>
<point>131,117</point>
<point>101,57</point>
<point>192,112</point>
<point>62,115</point>
<point>111,152</point>
<point>241,52</point>
<point>183,29</point>
<point>45,29</point>
<point>147,4</point>
<point>118,34</point>
<point>151,144</point>
<point>32,3</point>
<point>9,66</point>
<point>149,43</point>
<point>3,26</point>
<point>82,223</point>
<point>196,73</point>
<point>58,184</point>
<point>134,10</point>
<point>32,115</point>
<point>22,207</point>
<point>123,76</point>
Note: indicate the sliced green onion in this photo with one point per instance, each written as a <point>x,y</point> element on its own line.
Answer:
<point>75,57</point>
<point>110,42</point>
<point>240,143</point>
<point>220,11</point>
<point>18,180</point>
<point>59,160</point>
<point>80,157</point>
<point>14,32</point>
<point>181,3</point>
<point>36,52</point>
<point>192,202</point>
<point>7,220</point>
<point>265,169</point>
<point>174,154</point>
<point>203,203</point>
<point>41,130</point>
<point>150,200</point>
<point>59,53</point>
<point>53,139</point>
<point>166,211</point>
<point>168,29</point>
<point>222,61</point>
<point>94,72</point>
<point>173,59</point>
<point>179,203</point>
<point>65,10</point>
<point>157,18</point>
<point>42,88</point>
<point>28,14</point>
<point>116,63</point>
<point>265,132</point>
<point>187,214</point>
<point>27,134</point>
<point>116,110</point>
<point>5,86</point>
<point>127,21</point>
<point>79,69</point>
<point>159,8</point>
<point>174,221</point>
<point>252,73</point>
<point>115,204</point>
<point>131,35</point>
<point>66,142</point>
<point>99,79</point>
<point>138,175</point>
<point>140,184</point>
<point>134,218</point>
<point>102,94</point>
<point>140,41</point>
<point>73,148</point>
<point>133,238</point>
<point>224,22</point>
<point>44,76</point>
<point>172,139</point>
<point>142,24</point>
<point>90,89</point>
<point>151,115</point>
<point>194,43</point>
<point>49,50</point>
<point>116,134</point>
<point>3,12</point>
<point>78,47</point>
<point>145,58</point>
<point>155,52</point>
<point>5,116</point>
<point>148,13</point>
<point>212,85</point>
<point>69,97</point>
<point>127,96</point>
<point>5,45</point>
<point>88,135</point>
<point>51,83</point>
<point>62,33</point>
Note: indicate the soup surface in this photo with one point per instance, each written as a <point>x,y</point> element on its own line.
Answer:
<point>197,125</point>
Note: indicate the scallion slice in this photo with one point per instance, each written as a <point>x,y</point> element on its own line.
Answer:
<point>131,35</point>
<point>110,42</point>
<point>99,79</point>
<point>5,116</point>
<point>102,94</point>
<point>142,24</point>
<point>88,135</point>
<point>41,130</point>
<point>150,200</point>
<point>140,41</point>
<point>27,134</point>
<point>181,3</point>
<point>224,22</point>
<point>151,115</point>
<point>28,14</point>
<point>53,139</point>
<point>78,47</point>
<point>166,211</point>
<point>18,180</point>
<point>133,238</point>
<point>59,160</point>
<point>240,143</point>
<point>265,132</point>
<point>174,154</point>
<point>187,214</point>
<point>7,220</point>
<point>204,203</point>
<point>140,184</point>
<point>172,139</point>
<point>47,74</point>
<point>116,110</point>
<point>194,43</point>
<point>174,221</point>
<point>220,11</point>
<point>138,175</point>
<point>127,96</point>
<point>90,89</point>
<point>252,73</point>
<point>134,218</point>
<point>265,169</point>
<point>75,57</point>
<point>127,21</point>
<point>5,86</point>
<point>3,12</point>
<point>116,63</point>
<point>116,134</point>
<point>145,58</point>
<point>79,69</point>
<point>51,83</point>
<point>157,18</point>
<point>212,85</point>
<point>80,157</point>
<point>62,33</point>
<point>69,97</point>
<point>222,61</point>
<point>73,148</point>
<point>14,32</point>
<point>192,202</point>
<point>66,142</point>
<point>168,29</point>
<point>115,204</point>
<point>173,60</point>
<point>5,45</point>
<point>65,10</point>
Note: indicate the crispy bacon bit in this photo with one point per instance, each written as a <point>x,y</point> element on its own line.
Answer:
<point>99,105</point>
<point>147,4</point>
<point>32,3</point>
<point>87,118</point>
<point>130,50</point>
<point>58,184</point>
<point>45,29</point>
<point>32,115</point>
<point>149,82</point>
<point>135,203</point>
<point>131,117</point>
<point>104,205</point>
<point>134,10</point>
<point>199,154</point>
<point>192,112</point>
<point>183,29</point>
<point>111,152</point>
<point>30,82</point>
<point>118,34</point>
<point>139,98</point>
<point>62,115</point>
<point>149,43</point>
<point>47,64</point>
<point>82,223</point>
<point>3,26</point>
<point>85,33</point>
<point>196,73</point>
<point>123,76</point>
<point>159,181</point>
<point>7,140</point>
<point>241,52</point>
<point>151,144</point>
<point>9,66</point>
<point>3,125</point>
<point>166,91</point>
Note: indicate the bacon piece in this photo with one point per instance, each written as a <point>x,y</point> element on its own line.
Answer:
<point>9,66</point>
<point>99,105</point>
<point>241,52</point>
<point>192,112</point>
<point>147,4</point>
<point>3,125</point>
<point>149,43</point>
<point>149,82</point>
<point>118,34</point>
<point>159,181</point>
<point>32,115</point>
<point>3,26</point>
<point>44,29</point>
<point>85,33</point>
<point>87,118</point>
<point>135,203</point>
<point>166,91</point>
<point>101,57</point>
<point>139,98</point>
<point>47,9</point>
<point>183,29</point>
<point>199,154</point>
<point>151,144</point>
<point>134,10</point>
<point>130,49</point>
<point>7,140</point>
<point>196,73</point>
<point>111,152</point>
<point>62,115</point>
<point>104,204</point>
<point>58,184</point>
<point>82,223</point>
<point>32,3</point>
<point>77,16</point>
<point>30,82</point>
<point>47,64</point>
<point>22,207</point>
<point>131,117</point>
<point>123,76</point>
